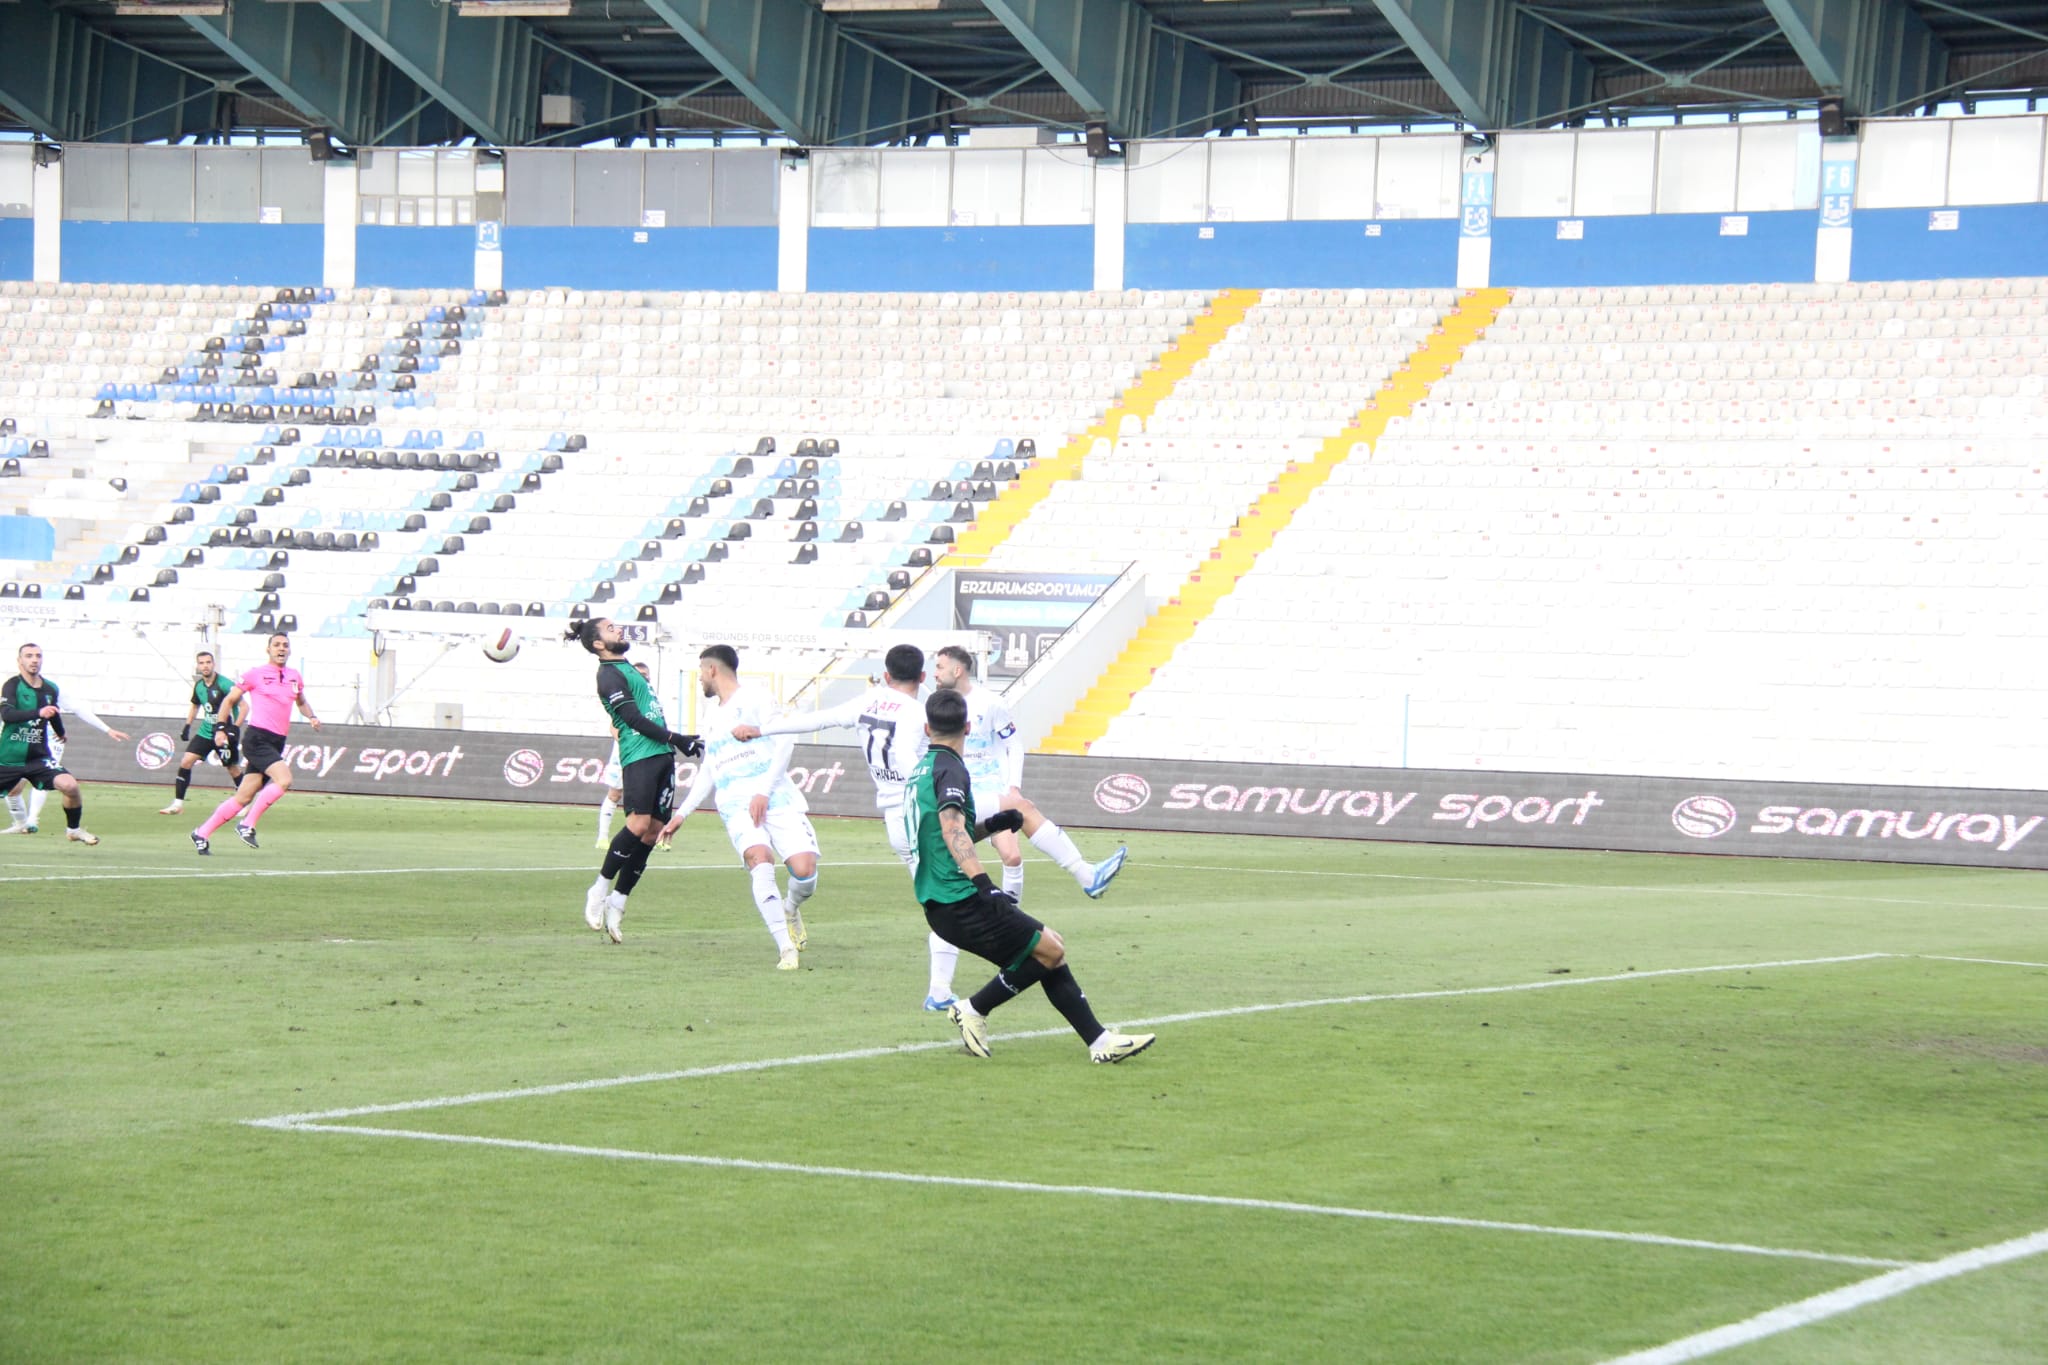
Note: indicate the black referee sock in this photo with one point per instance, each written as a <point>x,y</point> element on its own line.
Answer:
<point>1072,1002</point>
<point>73,814</point>
<point>184,781</point>
<point>629,876</point>
<point>619,854</point>
<point>1008,986</point>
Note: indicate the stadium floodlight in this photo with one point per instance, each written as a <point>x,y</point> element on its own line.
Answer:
<point>141,7</point>
<point>875,6</point>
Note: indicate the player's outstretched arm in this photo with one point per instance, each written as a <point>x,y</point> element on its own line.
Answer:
<point>86,714</point>
<point>810,722</point>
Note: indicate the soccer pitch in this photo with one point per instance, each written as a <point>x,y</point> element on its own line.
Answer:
<point>374,1091</point>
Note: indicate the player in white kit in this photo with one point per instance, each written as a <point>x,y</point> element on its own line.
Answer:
<point>765,816</point>
<point>892,739</point>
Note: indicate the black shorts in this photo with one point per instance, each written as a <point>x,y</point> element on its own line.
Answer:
<point>41,775</point>
<point>261,748</point>
<point>200,748</point>
<point>987,926</point>
<point>650,786</point>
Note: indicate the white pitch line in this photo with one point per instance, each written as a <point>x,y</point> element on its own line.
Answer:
<point>1988,961</point>
<point>203,874</point>
<point>1598,886</point>
<point>858,1054</point>
<point>1100,1192</point>
<point>1836,1302</point>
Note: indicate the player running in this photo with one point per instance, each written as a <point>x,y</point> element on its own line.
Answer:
<point>963,906</point>
<point>29,712</point>
<point>272,690</point>
<point>647,772</point>
<point>765,815</point>
<point>204,732</point>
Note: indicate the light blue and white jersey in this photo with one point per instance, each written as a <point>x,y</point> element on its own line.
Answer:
<point>993,753</point>
<point>737,771</point>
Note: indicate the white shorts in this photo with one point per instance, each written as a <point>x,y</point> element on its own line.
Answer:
<point>788,832</point>
<point>988,797</point>
<point>899,838</point>
<point>614,775</point>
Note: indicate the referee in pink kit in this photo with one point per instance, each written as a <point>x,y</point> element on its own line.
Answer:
<point>272,690</point>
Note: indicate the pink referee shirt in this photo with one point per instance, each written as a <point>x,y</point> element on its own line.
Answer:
<point>271,692</point>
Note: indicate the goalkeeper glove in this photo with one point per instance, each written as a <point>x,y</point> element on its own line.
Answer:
<point>186,733</point>
<point>1002,821</point>
<point>689,746</point>
<point>995,893</point>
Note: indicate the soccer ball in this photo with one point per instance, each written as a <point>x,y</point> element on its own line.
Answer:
<point>502,648</point>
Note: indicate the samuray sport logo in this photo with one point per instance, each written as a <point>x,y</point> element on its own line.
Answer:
<point>1122,793</point>
<point>1703,817</point>
<point>523,767</point>
<point>155,749</point>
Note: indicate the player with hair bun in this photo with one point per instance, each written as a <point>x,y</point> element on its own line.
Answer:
<point>647,772</point>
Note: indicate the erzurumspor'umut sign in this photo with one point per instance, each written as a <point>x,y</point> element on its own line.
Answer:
<point>1976,828</point>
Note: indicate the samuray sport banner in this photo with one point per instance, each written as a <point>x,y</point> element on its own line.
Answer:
<point>1962,827</point>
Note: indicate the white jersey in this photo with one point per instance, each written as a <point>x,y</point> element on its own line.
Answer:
<point>737,771</point>
<point>892,737</point>
<point>994,758</point>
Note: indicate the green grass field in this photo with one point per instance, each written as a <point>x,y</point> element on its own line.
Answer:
<point>1355,1177</point>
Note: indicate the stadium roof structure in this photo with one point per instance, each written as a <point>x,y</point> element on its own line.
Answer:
<point>875,72</point>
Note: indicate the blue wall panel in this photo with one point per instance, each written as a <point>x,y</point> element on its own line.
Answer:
<point>23,537</point>
<point>1415,254</point>
<point>416,257</point>
<point>1988,241</point>
<point>17,248</point>
<point>191,253</point>
<point>664,258</point>
<point>951,259</point>
<point>1665,248</point>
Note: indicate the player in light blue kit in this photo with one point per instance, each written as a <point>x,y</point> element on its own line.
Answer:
<point>994,754</point>
<point>765,816</point>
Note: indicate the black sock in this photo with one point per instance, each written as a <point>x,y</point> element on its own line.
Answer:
<point>184,781</point>
<point>1008,985</point>
<point>629,875</point>
<point>1072,1002</point>
<point>619,854</point>
<point>73,814</point>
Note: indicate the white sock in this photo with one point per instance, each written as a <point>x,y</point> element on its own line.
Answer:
<point>1053,842</point>
<point>604,819</point>
<point>600,885</point>
<point>769,902</point>
<point>617,899</point>
<point>36,797</point>
<point>801,889</point>
<point>945,957</point>
<point>1013,882</point>
<point>17,807</point>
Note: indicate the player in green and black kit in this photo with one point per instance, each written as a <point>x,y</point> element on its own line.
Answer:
<point>205,733</point>
<point>647,749</point>
<point>963,906</point>
<point>28,709</point>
